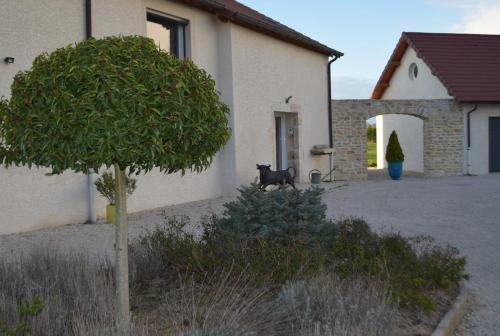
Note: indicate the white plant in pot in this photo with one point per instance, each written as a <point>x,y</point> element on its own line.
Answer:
<point>106,187</point>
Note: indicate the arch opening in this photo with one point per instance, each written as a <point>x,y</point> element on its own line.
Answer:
<point>410,132</point>
<point>439,127</point>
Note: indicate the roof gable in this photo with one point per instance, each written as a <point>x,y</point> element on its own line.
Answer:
<point>403,86</point>
<point>468,65</point>
<point>233,11</point>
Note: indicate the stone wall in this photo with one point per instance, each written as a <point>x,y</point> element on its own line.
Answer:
<point>443,134</point>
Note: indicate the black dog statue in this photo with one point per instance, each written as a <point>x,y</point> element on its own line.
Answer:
<point>269,177</point>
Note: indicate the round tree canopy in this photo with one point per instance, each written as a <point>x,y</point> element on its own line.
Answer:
<point>115,100</point>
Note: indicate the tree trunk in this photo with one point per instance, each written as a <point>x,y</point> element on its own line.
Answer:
<point>121,249</point>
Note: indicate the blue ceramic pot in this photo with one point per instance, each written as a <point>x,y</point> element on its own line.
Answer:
<point>395,170</point>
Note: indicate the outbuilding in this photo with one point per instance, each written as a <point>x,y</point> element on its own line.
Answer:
<point>461,68</point>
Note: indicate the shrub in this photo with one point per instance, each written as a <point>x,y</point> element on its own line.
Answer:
<point>326,305</point>
<point>280,216</point>
<point>272,246</point>
<point>442,265</point>
<point>165,252</point>
<point>394,153</point>
<point>371,133</point>
<point>266,262</point>
<point>227,304</point>
<point>412,266</point>
<point>26,311</point>
<point>174,251</point>
<point>45,292</point>
<point>230,305</point>
<point>273,236</point>
<point>354,247</point>
<point>106,186</point>
<point>145,263</point>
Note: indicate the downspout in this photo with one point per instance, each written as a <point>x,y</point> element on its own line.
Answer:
<point>468,138</point>
<point>88,19</point>
<point>330,132</point>
<point>91,176</point>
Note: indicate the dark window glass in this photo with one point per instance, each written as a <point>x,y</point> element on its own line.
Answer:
<point>169,34</point>
<point>279,153</point>
<point>413,71</point>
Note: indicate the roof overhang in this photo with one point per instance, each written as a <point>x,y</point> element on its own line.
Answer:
<point>407,40</point>
<point>395,61</point>
<point>277,31</point>
<point>390,68</point>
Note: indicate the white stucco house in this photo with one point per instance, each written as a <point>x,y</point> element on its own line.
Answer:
<point>274,79</point>
<point>464,68</point>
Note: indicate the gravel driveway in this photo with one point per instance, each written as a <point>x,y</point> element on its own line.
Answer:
<point>464,211</point>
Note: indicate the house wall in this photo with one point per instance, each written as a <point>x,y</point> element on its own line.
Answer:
<point>479,151</point>
<point>289,71</point>
<point>408,128</point>
<point>31,200</point>
<point>254,73</point>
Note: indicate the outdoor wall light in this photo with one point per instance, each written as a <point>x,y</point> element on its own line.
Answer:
<point>8,60</point>
<point>288,99</point>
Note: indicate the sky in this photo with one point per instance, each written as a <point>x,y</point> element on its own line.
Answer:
<point>367,31</point>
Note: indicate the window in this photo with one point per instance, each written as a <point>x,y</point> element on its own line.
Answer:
<point>168,33</point>
<point>413,71</point>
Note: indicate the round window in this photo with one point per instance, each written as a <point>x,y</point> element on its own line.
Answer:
<point>413,71</point>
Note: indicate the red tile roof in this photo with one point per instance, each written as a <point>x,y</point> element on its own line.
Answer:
<point>468,65</point>
<point>233,11</point>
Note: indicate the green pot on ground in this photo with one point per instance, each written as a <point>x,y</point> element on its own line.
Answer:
<point>111,214</point>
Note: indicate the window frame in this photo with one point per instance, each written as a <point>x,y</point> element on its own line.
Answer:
<point>413,71</point>
<point>178,31</point>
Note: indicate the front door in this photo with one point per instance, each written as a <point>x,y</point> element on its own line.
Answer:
<point>494,144</point>
<point>287,142</point>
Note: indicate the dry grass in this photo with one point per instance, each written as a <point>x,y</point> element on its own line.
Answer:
<point>226,305</point>
<point>77,293</point>
<point>327,306</point>
<point>323,306</point>
<point>78,297</point>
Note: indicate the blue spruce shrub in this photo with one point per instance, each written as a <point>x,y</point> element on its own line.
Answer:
<point>281,216</point>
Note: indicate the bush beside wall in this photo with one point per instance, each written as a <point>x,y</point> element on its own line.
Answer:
<point>283,235</point>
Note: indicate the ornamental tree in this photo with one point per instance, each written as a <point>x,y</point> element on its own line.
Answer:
<point>116,102</point>
<point>393,152</point>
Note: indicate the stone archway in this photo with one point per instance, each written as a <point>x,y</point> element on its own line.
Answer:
<point>443,134</point>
